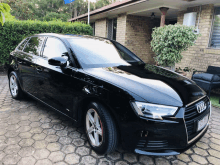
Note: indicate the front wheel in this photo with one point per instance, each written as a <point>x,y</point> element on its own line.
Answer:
<point>100,129</point>
<point>15,89</point>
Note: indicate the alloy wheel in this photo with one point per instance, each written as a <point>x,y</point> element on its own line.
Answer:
<point>13,86</point>
<point>94,128</point>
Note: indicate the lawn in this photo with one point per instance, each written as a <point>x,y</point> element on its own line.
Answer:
<point>215,100</point>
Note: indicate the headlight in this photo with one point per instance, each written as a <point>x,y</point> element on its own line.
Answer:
<point>153,110</point>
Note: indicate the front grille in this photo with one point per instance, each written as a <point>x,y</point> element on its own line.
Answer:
<point>192,116</point>
<point>150,144</point>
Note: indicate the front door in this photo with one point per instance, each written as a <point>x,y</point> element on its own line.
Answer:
<point>56,83</point>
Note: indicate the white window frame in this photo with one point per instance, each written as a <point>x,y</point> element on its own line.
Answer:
<point>212,26</point>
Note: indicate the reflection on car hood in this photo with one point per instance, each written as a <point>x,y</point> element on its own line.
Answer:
<point>152,83</point>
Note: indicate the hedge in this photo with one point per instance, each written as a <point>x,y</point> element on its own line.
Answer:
<point>13,32</point>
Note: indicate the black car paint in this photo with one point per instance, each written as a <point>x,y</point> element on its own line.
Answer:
<point>69,89</point>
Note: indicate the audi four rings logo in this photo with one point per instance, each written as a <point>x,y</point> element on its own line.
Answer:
<point>201,106</point>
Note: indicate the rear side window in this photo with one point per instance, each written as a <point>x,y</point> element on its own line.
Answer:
<point>23,43</point>
<point>34,45</point>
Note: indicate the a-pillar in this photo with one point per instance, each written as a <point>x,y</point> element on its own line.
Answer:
<point>163,15</point>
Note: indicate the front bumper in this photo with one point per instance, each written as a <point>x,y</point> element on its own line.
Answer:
<point>170,136</point>
<point>168,152</point>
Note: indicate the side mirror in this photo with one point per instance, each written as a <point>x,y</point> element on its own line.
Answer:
<point>58,61</point>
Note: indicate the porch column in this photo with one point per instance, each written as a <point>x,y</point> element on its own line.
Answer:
<point>163,15</point>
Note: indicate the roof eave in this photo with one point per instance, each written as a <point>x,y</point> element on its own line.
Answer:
<point>103,9</point>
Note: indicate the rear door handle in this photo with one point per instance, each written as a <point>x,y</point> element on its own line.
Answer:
<point>39,70</point>
<point>22,62</point>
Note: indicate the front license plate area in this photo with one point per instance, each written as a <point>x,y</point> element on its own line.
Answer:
<point>202,123</point>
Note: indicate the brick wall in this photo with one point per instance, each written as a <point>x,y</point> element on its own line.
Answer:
<point>101,28</point>
<point>121,28</point>
<point>134,32</point>
<point>196,56</point>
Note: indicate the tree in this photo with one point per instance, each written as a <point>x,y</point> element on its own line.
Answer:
<point>4,8</point>
<point>38,9</point>
<point>51,9</point>
<point>168,42</point>
<point>42,8</point>
<point>21,9</point>
<point>55,16</point>
<point>81,6</point>
<point>101,3</point>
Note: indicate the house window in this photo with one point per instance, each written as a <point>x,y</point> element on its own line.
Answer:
<point>215,39</point>
<point>112,28</point>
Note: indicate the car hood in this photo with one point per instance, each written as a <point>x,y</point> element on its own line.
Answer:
<point>154,84</point>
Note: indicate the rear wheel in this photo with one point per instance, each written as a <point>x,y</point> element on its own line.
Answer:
<point>15,89</point>
<point>100,129</point>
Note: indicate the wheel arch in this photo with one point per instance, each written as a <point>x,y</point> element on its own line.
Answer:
<point>84,104</point>
<point>10,69</point>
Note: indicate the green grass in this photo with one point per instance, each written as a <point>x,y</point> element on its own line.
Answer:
<point>215,100</point>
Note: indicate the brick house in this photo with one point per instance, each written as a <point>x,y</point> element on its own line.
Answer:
<point>130,22</point>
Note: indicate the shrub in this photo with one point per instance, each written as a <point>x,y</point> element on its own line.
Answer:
<point>169,41</point>
<point>13,32</point>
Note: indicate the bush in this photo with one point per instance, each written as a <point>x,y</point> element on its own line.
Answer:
<point>13,32</point>
<point>169,41</point>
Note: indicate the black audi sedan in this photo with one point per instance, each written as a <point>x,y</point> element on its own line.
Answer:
<point>119,99</point>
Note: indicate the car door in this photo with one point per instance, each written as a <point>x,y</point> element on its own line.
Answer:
<point>26,61</point>
<point>56,83</point>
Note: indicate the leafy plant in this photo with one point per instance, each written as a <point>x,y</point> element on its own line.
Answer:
<point>35,9</point>
<point>21,9</point>
<point>4,8</point>
<point>50,9</point>
<point>13,32</point>
<point>169,41</point>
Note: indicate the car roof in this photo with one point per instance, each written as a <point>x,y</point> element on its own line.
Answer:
<point>66,36</point>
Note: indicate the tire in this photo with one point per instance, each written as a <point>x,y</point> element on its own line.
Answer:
<point>14,86</point>
<point>104,128</point>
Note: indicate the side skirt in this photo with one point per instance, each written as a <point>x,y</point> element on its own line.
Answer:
<point>50,106</point>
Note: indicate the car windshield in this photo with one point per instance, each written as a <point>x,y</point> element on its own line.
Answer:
<point>99,52</point>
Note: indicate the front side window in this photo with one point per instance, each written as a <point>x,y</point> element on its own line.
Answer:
<point>34,45</point>
<point>100,52</point>
<point>54,48</point>
<point>215,40</point>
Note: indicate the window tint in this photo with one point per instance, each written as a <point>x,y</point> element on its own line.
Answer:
<point>34,45</point>
<point>21,46</point>
<point>54,48</point>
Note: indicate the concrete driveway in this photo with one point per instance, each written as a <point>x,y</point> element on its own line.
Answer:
<point>31,133</point>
